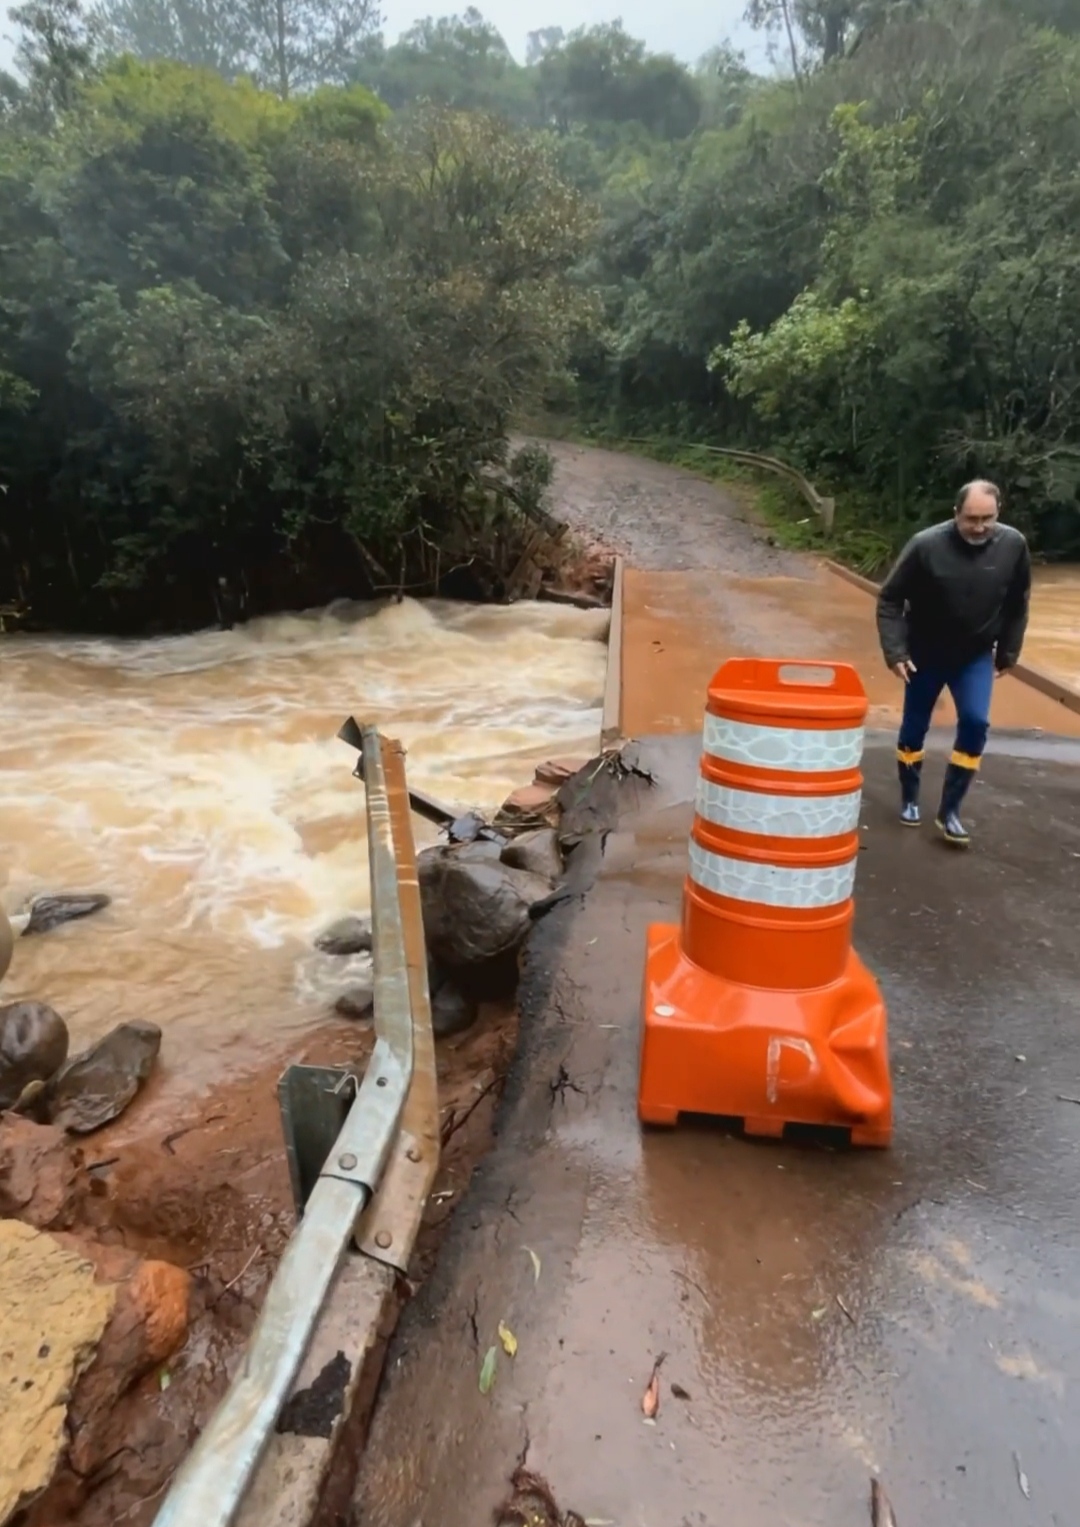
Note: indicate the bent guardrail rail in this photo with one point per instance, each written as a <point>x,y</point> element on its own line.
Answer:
<point>1054,689</point>
<point>823,507</point>
<point>210,1487</point>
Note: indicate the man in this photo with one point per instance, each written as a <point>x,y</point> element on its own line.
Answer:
<point>953,611</point>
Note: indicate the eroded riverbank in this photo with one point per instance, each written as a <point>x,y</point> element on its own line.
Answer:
<point>199,781</point>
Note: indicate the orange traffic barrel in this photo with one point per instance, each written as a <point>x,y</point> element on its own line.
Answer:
<point>757,1007</point>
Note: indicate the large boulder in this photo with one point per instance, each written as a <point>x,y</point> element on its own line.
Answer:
<point>537,852</point>
<point>33,1046</point>
<point>476,914</point>
<point>55,1314</point>
<point>95,1087</point>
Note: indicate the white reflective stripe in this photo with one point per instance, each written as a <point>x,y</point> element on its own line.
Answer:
<point>770,884</point>
<point>783,747</point>
<point>778,816</point>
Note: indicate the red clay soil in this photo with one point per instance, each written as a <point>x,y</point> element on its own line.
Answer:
<point>210,1193</point>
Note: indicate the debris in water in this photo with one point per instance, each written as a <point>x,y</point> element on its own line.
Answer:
<point>535,1263</point>
<point>679,1392</point>
<point>1021,1478</point>
<point>881,1511</point>
<point>164,1379</point>
<point>508,1339</point>
<point>650,1400</point>
<point>487,1371</point>
<point>48,912</point>
<point>1063,1097</point>
<point>845,1309</point>
<point>532,1504</point>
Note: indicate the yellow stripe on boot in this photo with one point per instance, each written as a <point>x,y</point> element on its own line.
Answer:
<point>911,756</point>
<point>964,760</point>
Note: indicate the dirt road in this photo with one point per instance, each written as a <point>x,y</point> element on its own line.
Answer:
<point>825,1315</point>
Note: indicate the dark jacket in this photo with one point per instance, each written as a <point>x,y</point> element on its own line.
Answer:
<point>946,601</point>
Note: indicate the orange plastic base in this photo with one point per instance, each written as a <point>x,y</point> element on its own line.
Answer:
<point>769,1058</point>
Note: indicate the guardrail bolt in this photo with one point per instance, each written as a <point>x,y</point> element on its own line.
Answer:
<point>383,1239</point>
<point>347,1163</point>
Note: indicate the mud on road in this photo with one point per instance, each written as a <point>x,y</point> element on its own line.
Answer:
<point>823,1315</point>
<point>658,516</point>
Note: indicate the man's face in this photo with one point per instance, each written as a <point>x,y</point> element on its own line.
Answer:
<point>976,520</point>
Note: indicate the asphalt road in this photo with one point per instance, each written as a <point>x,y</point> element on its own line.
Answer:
<point>829,1313</point>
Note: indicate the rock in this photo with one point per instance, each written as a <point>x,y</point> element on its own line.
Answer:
<point>477,851</point>
<point>349,935</point>
<point>33,1046</point>
<point>55,1315</point>
<point>147,1324</point>
<point>48,912</point>
<point>556,771</point>
<point>96,1086</point>
<point>526,804</point>
<point>356,1002</point>
<point>537,852</point>
<point>474,913</point>
<point>41,1178</point>
<point>451,1011</point>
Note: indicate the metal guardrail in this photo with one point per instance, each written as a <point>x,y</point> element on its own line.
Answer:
<point>1054,689</point>
<point>209,1488</point>
<point>823,507</point>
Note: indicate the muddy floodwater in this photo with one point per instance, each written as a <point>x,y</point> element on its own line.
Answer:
<point>198,781</point>
<point>1053,640</point>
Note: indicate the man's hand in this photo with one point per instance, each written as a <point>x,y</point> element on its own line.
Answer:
<point>904,670</point>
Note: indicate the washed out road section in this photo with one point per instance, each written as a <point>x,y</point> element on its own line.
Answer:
<point>828,1313</point>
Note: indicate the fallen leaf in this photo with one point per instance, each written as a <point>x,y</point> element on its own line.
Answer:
<point>1021,1478</point>
<point>679,1392</point>
<point>508,1339</point>
<point>164,1379</point>
<point>487,1371</point>
<point>819,1314</point>
<point>650,1400</point>
<point>535,1263</point>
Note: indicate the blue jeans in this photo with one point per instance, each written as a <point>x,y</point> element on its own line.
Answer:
<point>971,688</point>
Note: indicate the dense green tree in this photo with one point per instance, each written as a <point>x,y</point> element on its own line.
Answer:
<point>271,346</point>
<point>286,45</point>
<point>459,61</point>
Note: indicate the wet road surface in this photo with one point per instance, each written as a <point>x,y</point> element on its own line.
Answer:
<point>679,626</point>
<point>829,1313</point>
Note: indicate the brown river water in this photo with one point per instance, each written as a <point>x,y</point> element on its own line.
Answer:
<point>198,781</point>
<point>1053,640</point>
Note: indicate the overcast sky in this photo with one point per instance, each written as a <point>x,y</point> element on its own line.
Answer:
<point>683,27</point>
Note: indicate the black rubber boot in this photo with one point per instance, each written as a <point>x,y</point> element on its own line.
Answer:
<point>957,780</point>
<point>910,780</point>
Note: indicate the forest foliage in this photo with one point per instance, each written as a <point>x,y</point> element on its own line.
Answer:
<point>274,290</point>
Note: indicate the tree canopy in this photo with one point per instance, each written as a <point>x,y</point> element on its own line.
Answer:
<point>268,349</point>
<point>269,313</point>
